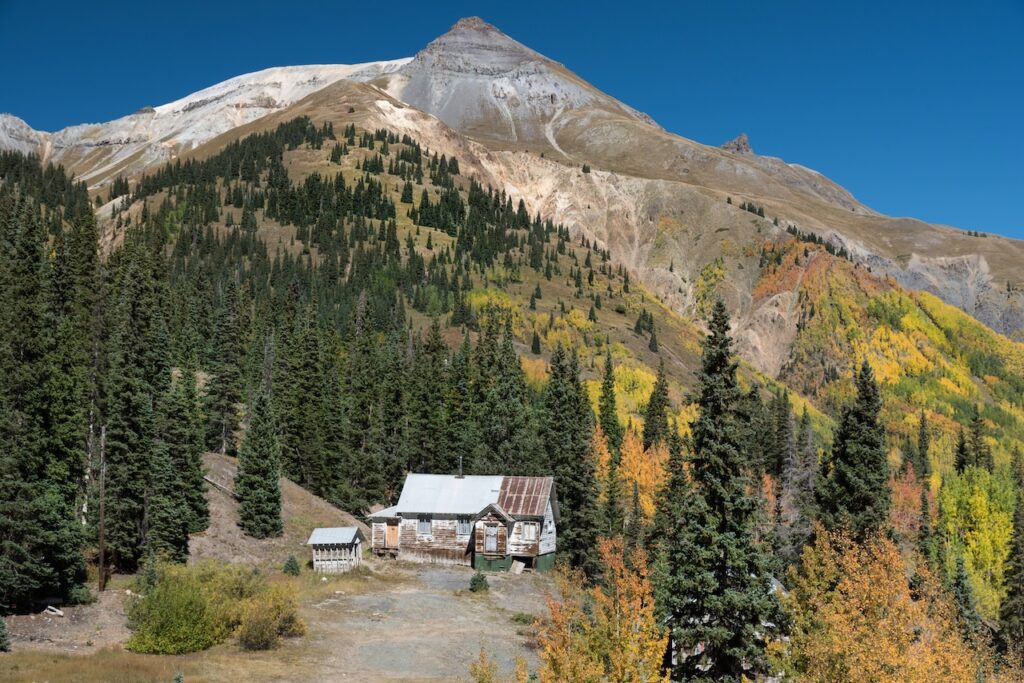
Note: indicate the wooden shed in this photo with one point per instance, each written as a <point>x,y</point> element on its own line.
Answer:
<point>336,549</point>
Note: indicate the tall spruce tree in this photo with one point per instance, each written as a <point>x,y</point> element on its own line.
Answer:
<point>963,595</point>
<point>1011,610</point>
<point>656,412</point>
<point>167,512</point>
<point>980,455</point>
<point>854,493</point>
<point>608,412</point>
<point>566,424</point>
<point>257,481</point>
<point>922,465</point>
<point>181,432</point>
<point>712,574</point>
<point>224,391</point>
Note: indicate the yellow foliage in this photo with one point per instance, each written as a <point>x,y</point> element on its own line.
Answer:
<point>535,370</point>
<point>854,618</point>
<point>646,469</point>
<point>608,632</point>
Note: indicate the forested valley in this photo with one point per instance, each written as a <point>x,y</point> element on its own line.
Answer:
<point>379,313</point>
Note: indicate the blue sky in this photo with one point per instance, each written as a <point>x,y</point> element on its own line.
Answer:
<point>917,108</point>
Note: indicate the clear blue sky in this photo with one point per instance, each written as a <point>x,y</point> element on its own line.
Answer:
<point>917,108</point>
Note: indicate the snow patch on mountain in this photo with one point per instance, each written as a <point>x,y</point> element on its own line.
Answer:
<point>156,134</point>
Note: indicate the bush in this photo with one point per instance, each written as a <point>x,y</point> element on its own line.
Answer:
<point>173,617</point>
<point>478,584</point>
<point>190,608</point>
<point>5,641</point>
<point>291,566</point>
<point>268,617</point>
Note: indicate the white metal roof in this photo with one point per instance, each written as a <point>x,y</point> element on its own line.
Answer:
<point>340,535</point>
<point>448,494</point>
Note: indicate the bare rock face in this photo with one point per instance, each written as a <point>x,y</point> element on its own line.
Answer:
<point>480,81</point>
<point>739,144</point>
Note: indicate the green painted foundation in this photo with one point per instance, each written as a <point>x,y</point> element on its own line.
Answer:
<point>544,563</point>
<point>492,563</point>
<point>498,563</point>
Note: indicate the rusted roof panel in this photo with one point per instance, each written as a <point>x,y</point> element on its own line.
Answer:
<point>526,496</point>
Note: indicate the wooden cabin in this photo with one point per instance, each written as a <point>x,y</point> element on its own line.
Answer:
<point>487,522</point>
<point>336,549</point>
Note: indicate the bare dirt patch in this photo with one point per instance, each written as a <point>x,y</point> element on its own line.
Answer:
<point>301,512</point>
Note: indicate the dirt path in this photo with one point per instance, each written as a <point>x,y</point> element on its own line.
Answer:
<point>396,622</point>
<point>429,628</point>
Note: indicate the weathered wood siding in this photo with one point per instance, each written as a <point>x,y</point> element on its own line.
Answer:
<point>517,543</point>
<point>442,545</point>
<point>548,532</point>
<point>377,535</point>
<point>336,558</point>
<point>480,534</point>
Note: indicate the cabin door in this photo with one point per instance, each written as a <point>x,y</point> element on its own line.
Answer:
<point>391,537</point>
<point>490,538</point>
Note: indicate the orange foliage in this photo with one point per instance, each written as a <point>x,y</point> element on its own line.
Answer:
<point>905,513</point>
<point>608,632</point>
<point>602,459</point>
<point>645,468</point>
<point>854,618</point>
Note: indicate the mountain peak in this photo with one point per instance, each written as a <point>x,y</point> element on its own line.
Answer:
<point>472,24</point>
<point>740,144</point>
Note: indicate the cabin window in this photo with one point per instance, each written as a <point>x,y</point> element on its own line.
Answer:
<point>423,527</point>
<point>529,531</point>
<point>463,526</point>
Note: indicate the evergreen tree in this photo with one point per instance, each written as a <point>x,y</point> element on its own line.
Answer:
<point>507,432</point>
<point>653,344</point>
<point>963,595</point>
<point>426,422</point>
<point>1011,611</point>
<point>224,391</point>
<point>712,576</point>
<point>962,456</point>
<point>854,493</point>
<point>182,436</point>
<point>134,380</point>
<point>656,412</point>
<point>41,421</point>
<point>167,514</point>
<point>5,640</point>
<point>566,424</point>
<point>535,344</point>
<point>922,465</point>
<point>797,499</point>
<point>980,455</point>
<point>926,546</point>
<point>608,412</point>
<point>256,483</point>
<point>783,444</point>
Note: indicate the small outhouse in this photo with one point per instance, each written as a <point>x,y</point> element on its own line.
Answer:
<point>336,549</point>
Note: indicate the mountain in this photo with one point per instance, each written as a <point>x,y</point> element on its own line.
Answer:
<point>668,207</point>
<point>153,135</point>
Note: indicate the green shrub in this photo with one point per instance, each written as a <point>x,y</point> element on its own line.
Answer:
<point>193,607</point>
<point>291,566</point>
<point>174,616</point>
<point>478,584</point>
<point>524,618</point>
